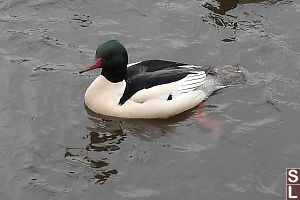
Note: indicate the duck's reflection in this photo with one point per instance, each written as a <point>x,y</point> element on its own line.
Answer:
<point>105,142</point>
<point>104,138</point>
<point>106,135</point>
<point>144,129</point>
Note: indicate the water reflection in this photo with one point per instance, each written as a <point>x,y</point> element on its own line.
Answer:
<point>144,129</point>
<point>106,135</point>
<point>104,138</point>
<point>222,6</point>
<point>82,20</point>
<point>248,20</point>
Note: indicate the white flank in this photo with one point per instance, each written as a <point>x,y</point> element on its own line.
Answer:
<point>103,97</point>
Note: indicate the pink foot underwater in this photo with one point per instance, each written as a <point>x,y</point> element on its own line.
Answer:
<point>205,121</point>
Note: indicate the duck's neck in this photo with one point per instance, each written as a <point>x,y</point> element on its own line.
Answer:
<point>114,75</point>
<point>102,94</point>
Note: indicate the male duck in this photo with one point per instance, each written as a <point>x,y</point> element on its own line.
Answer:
<point>152,88</point>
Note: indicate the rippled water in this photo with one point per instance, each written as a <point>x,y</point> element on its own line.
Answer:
<point>51,147</point>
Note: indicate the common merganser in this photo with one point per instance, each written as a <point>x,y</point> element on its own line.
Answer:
<point>151,88</point>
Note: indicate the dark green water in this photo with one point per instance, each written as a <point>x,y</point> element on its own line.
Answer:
<point>52,148</point>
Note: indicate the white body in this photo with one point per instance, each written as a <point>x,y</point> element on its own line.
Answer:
<point>103,97</point>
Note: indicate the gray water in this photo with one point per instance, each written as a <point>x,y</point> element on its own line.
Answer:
<point>52,147</point>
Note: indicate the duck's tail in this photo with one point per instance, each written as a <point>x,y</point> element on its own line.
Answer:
<point>228,75</point>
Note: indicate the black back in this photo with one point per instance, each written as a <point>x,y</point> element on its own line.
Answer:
<point>151,73</point>
<point>150,66</point>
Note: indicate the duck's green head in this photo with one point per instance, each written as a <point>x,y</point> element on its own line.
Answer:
<point>113,59</point>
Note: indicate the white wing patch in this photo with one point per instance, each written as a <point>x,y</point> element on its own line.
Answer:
<point>192,82</point>
<point>171,91</point>
<point>131,64</point>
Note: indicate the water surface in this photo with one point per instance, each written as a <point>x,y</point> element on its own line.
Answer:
<point>51,147</point>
